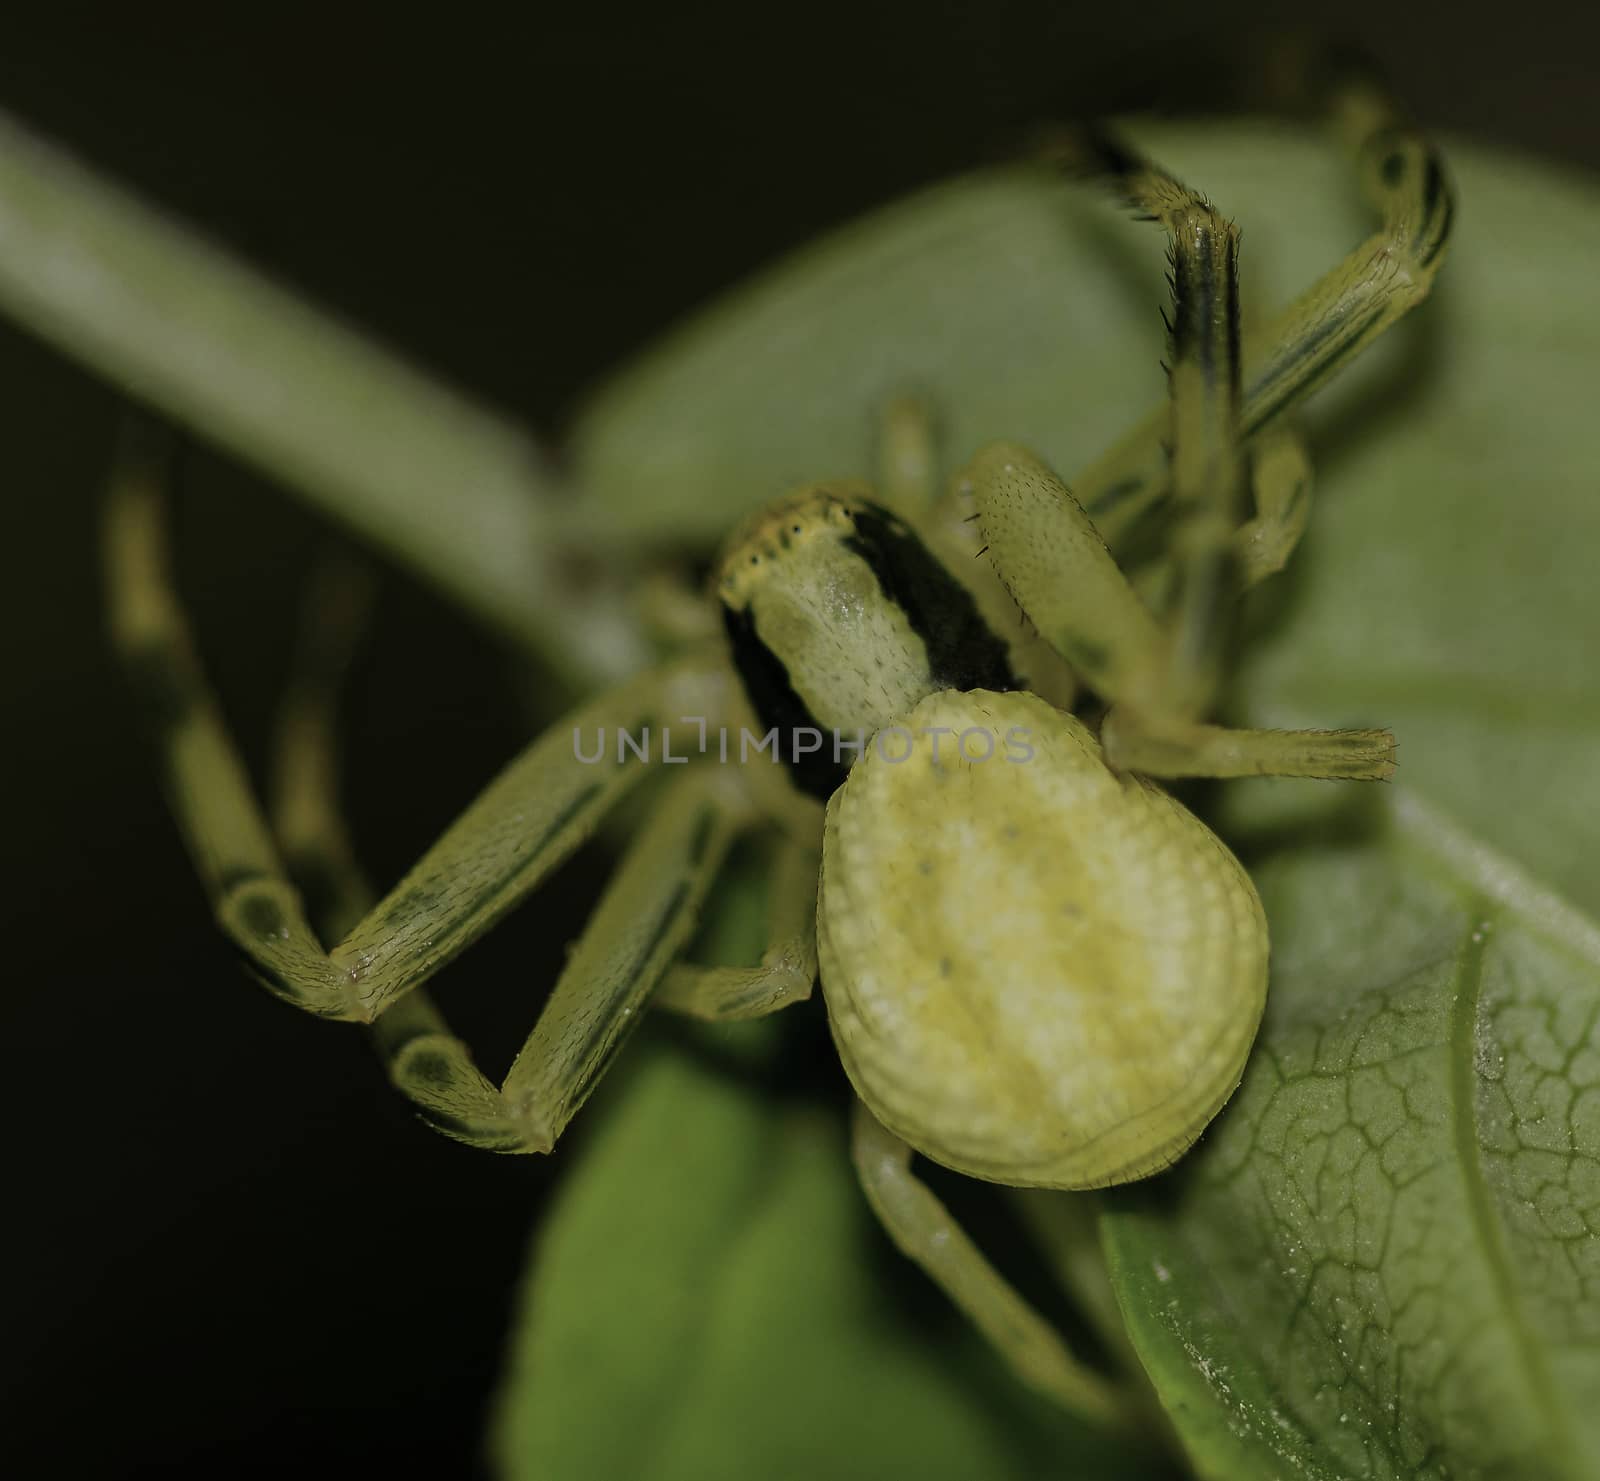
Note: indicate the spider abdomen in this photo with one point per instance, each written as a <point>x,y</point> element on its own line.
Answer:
<point>1037,971</point>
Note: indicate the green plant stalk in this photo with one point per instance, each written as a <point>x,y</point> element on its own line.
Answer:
<point>444,486</point>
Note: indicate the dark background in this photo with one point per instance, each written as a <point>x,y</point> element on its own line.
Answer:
<point>235,1252</point>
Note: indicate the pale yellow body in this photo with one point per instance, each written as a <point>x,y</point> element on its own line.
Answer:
<point>1037,972</point>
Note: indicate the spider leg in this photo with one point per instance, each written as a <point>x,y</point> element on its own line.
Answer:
<point>1281,478</point>
<point>521,826</point>
<point>306,818</point>
<point>227,837</point>
<point>923,1229</point>
<point>1281,482</point>
<point>1214,555</point>
<point>788,969</point>
<point>1203,376</point>
<point>1052,559</point>
<point>303,796</point>
<point>671,609</point>
<point>1403,176</point>
<point>907,456</point>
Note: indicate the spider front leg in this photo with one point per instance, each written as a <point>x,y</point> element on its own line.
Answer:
<point>1214,555</point>
<point>412,1036</point>
<point>227,838</point>
<point>1402,175</point>
<point>1204,433</point>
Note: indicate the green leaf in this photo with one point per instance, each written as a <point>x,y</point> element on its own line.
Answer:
<point>711,1301</point>
<point>1382,1261</point>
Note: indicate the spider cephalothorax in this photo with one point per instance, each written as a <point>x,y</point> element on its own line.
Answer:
<point>840,619</point>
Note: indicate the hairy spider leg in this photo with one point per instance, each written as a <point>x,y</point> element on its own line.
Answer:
<point>1402,174</point>
<point>1203,378</point>
<point>1215,551</point>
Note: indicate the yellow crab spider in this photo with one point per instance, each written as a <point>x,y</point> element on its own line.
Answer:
<point>1039,968</point>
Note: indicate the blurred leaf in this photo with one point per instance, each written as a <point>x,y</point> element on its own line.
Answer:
<point>1000,295</point>
<point>708,1302</point>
